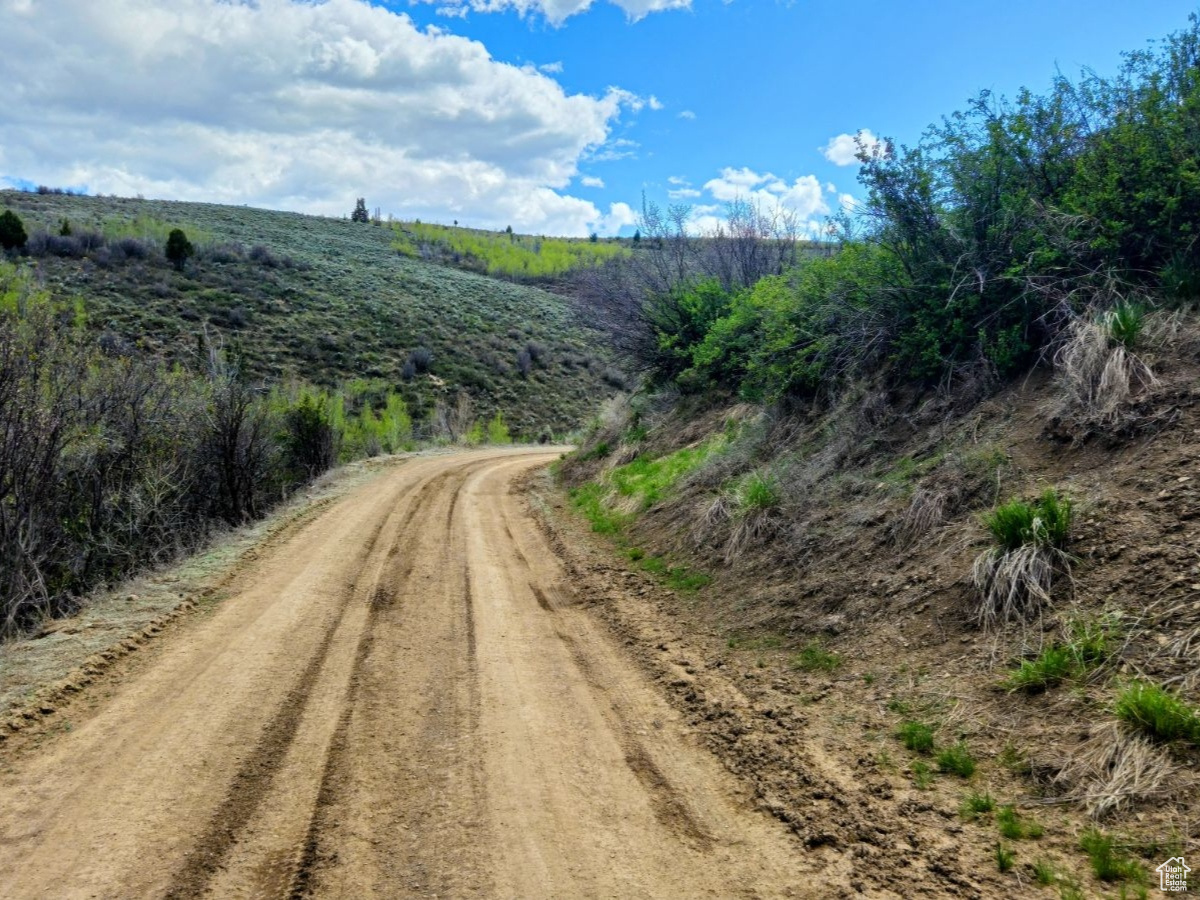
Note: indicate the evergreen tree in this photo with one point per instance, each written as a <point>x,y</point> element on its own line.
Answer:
<point>360,211</point>
<point>12,231</point>
<point>179,248</point>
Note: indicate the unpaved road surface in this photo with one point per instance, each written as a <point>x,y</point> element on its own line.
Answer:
<point>401,698</point>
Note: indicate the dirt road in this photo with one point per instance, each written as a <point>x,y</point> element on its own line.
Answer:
<point>400,698</point>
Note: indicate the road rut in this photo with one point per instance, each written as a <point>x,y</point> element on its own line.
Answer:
<point>404,698</point>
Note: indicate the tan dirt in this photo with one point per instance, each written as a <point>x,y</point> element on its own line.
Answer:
<point>403,696</point>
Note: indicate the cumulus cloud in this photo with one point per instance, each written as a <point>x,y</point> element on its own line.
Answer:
<point>843,149</point>
<point>555,11</point>
<point>591,181</point>
<point>619,214</point>
<point>803,199</point>
<point>293,104</point>
<point>687,114</point>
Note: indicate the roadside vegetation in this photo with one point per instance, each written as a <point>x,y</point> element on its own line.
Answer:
<point>954,441</point>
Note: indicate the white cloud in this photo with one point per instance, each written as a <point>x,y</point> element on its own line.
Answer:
<point>591,181</point>
<point>619,214</point>
<point>843,149</point>
<point>830,188</point>
<point>683,193</point>
<point>654,103</point>
<point>848,202</point>
<point>555,11</point>
<point>677,180</point>
<point>803,199</point>
<point>553,68</point>
<point>687,114</point>
<point>293,104</point>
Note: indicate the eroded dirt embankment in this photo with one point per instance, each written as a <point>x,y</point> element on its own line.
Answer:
<point>408,694</point>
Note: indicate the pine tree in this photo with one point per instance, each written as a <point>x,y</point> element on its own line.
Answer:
<point>360,211</point>
<point>12,231</point>
<point>179,248</point>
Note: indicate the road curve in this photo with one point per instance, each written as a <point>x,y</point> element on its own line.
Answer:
<point>402,698</point>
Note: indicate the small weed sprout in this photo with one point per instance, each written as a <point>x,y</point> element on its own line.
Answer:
<point>1044,873</point>
<point>1014,828</point>
<point>975,804</point>
<point>1014,577</point>
<point>1004,858</point>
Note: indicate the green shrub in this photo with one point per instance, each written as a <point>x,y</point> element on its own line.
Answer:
<point>956,760</point>
<point>815,658</point>
<point>497,430</point>
<point>1108,861</point>
<point>916,736</point>
<point>179,249</point>
<point>12,231</point>
<point>1044,522</point>
<point>1158,713</point>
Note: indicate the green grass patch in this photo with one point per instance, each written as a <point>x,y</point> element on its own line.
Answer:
<point>1044,872</point>
<point>975,804</point>
<point>589,500</point>
<point>1158,713</point>
<point>759,492</point>
<point>1109,862</point>
<point>650,478</point>
<point>1045,522</point>
<point>922,775</point>
<point>956,760</point>
<point>1124,323</point>
<point>813,657</point>
<point>1088,645</point>
<point>1004,858</point>
<point>1016,828</point>
<point>916,736</point>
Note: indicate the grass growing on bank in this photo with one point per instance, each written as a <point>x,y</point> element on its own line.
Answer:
<point>1158,713</point>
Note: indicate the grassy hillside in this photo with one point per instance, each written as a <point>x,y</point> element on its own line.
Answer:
<point>324,299</point>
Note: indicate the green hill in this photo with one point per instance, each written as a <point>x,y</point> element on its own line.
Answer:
<point>326,300</point>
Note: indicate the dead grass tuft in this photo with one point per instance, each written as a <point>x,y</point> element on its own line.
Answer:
<point>1114,770</point>
<point>926,511</point>
<point>1098,376</point>
<point>1014,585</point>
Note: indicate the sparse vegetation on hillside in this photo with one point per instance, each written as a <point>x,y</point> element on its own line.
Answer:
<point>504,254</point>
<point>323,300</point>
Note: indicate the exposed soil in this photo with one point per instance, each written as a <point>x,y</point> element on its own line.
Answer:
<point>416,691</point>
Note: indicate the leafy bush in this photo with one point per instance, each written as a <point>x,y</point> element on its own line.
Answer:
<point>1158,713</point>
<point>497,430</point>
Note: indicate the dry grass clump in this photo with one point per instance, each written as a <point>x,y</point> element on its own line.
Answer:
<point>926,511</point>
<point>1015,577</point>
<point>1114,770</point>
<point>1097,369</point>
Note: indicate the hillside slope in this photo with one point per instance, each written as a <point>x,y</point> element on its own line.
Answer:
<point>323,299</point>
<point>838,547</point>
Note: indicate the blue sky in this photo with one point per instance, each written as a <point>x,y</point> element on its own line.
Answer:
<point>553,115</point>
